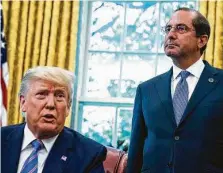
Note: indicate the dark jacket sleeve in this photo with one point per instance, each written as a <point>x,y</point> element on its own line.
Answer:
<point>135,155</point>
<point>97,164</point>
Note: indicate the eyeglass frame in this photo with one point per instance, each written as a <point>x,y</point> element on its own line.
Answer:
<point>187,29</point>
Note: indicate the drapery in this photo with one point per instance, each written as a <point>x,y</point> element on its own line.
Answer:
<point>38,33</point>
<point>213,10</point>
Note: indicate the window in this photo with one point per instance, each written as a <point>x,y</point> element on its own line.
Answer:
<point>122,47</point>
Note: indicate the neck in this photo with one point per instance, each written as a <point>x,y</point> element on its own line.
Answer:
<point>185,62</point>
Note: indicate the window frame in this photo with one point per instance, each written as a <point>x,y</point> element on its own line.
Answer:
<point>81,65</point>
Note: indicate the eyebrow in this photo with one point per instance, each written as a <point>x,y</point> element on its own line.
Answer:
<point>177,24</point>
<point>180,24</point>
<point>59,90</point>
<point>43,89</point>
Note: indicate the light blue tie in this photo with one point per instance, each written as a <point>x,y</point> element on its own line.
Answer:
<point>31,163</point>
<point>180,97</point>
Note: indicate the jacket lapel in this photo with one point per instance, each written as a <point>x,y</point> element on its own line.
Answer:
<point>207,82</point>
<point>163,86</point>
<point>13,146</point>
<point>60,153</point>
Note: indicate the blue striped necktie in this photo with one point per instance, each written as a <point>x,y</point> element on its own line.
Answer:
<point>180,97</point>
<point>31,163</point>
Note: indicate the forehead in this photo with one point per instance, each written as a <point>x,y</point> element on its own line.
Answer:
<point>39,84</point>
<point>182,17</point>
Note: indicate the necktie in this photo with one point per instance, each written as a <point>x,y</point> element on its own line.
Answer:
<point>31,163</point>
<point>180,97</point>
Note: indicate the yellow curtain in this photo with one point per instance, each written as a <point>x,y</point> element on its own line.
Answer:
<point>38,33</point>
<point>213,10</point>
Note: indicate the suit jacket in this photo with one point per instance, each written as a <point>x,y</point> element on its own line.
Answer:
<point>83,154</point>
<point>158,145</point>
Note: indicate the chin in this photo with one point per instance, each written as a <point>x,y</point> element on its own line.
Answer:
<point>171,52</point>
<point>49,130</point>
<point>171,55</point>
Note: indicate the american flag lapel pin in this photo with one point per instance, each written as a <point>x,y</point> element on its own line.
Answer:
<point>64,158</point>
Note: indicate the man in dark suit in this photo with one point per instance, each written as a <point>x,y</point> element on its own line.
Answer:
<point>177,124</point>
<point>43,144</point>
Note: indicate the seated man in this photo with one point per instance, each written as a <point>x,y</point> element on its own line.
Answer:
<point>43,144</point>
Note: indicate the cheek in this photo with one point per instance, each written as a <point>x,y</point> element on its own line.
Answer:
<point>62,110</point>
<point>188,42</point>
<point>193,46</point>
<point>40,106</point>
<point>34,111</point>
<point>36,106</point>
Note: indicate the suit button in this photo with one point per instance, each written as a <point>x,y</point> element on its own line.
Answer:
<point>177,138</point>
<point>170,164</point>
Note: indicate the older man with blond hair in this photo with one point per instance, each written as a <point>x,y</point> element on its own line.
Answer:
<point>43,144</point>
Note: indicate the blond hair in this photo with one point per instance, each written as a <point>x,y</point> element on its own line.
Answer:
<point>55,75</point>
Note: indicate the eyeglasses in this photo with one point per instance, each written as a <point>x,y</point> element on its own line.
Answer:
<point>181,29</point>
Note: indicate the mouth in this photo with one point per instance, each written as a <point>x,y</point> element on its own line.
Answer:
<point>171,45</point>
<point>49,118</point>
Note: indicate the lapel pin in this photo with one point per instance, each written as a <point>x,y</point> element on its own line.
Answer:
<point>64,158</point>
<point>211,80</point>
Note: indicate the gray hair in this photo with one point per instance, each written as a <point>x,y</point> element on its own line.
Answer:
<point>55,75</point>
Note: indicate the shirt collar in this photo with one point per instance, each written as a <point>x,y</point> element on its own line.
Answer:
<point>48,143</point>
<point>195,69</point>
<point>29,137</point>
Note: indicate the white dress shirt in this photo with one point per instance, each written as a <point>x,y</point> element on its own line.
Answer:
<point>27,149</point>
<point>195,70</point>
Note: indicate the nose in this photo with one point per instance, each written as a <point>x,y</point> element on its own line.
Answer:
<point>170,36</point>
<point>50,102</point>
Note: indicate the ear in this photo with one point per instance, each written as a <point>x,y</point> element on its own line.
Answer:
<point>202,41</point>
<point>22,103</point>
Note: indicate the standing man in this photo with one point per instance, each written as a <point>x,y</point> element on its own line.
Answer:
<point>43,144</point>
<point>177,124</point>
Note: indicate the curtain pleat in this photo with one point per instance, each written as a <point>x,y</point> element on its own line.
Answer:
<point>20,54</point>
<point>53,39</point>
<point>63,39</point>
<point>46,32</point>
<point>73,33</point>
<point>38,26</point>
<point>30,35</point>
<point>37,33</point>
<point>218,62</point>
<point>12,50</point>
<point>213,10</point>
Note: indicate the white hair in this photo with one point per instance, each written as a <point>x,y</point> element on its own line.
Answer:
<point>55,75</point>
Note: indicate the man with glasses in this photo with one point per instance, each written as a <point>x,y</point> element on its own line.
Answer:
<point>177,124</point>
